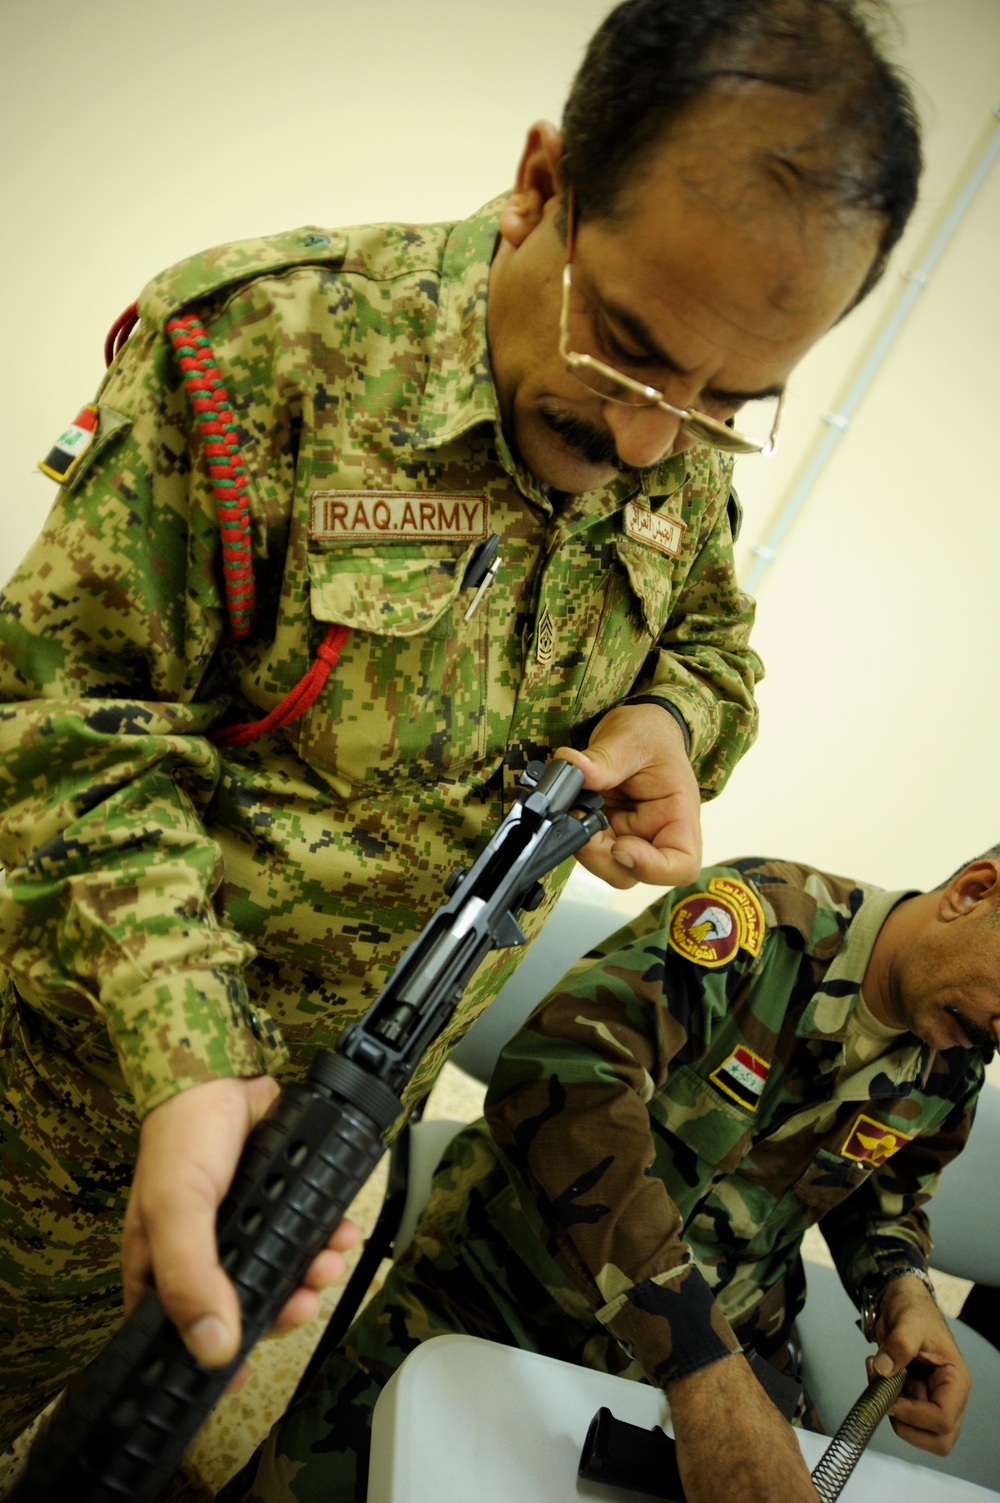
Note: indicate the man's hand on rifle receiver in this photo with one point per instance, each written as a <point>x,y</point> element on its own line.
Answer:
<point>637,759</point>
<point>188,1150</point>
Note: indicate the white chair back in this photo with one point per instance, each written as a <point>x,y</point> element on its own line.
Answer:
<point>965,1212</point>
<point>579,921</point>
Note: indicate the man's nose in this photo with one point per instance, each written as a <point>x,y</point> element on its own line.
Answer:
<point>643,435</point>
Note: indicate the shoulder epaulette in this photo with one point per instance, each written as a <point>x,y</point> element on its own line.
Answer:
<point>211,271</point>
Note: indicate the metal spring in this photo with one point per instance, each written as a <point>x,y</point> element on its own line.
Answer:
<point>844,1451</point>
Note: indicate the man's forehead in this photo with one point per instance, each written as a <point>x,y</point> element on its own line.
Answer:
<point>749,152</point>
<point>747,241</point>
<point>752,160</point>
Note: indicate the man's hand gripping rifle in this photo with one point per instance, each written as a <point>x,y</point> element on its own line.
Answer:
<point>124,1422</point>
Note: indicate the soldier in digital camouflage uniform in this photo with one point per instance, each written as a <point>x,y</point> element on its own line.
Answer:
<point>769,1049</point>
<point>300,452</point>
<point>170,905</point>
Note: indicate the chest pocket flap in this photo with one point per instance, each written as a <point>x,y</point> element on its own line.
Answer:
<point>400,591</point>
<point>651,576</point>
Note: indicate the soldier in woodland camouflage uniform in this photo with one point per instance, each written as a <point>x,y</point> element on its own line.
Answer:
<point>770,1049</point>
<point>336,423</point>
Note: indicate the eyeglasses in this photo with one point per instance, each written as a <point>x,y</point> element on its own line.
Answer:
<point>614,386</point>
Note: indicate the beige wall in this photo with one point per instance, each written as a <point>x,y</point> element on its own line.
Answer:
<point>877,620</point>
<point>134,132</point>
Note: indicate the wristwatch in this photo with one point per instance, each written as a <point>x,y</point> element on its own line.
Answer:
<point>869,1308</point>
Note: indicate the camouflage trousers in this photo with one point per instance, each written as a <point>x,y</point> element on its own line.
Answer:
<point>62,1203</point>
<point>460,1275</point>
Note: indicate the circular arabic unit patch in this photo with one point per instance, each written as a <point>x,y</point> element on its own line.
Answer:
<point>709,927</point>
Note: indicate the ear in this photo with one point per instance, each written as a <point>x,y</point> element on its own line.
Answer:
<point>539,179</point>
<point>979,882</point>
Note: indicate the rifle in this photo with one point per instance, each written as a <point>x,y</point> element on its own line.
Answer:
<point>123,1423</point>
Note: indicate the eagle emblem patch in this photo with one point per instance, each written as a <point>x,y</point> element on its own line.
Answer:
<point>709,927</point>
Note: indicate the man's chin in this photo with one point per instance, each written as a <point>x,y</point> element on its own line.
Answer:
<point>966,1034</point>
<point>573,477</point>
<point>555,464</point>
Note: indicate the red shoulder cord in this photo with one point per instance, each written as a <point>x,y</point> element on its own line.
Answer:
<point>120,331</point>
<point>229,485</point>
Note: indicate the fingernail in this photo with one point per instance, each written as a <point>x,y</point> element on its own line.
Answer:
<point>208,1340</point>
<point>883,1365</point>
<point>624,860</point>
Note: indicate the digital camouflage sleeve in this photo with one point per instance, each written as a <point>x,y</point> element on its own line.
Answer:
<point>677,1114</point>
<point>174,912</point>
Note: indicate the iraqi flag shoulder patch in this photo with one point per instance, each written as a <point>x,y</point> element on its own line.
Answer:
<point>742,1077</point>
<point>63,459</point>
<point>709,927</point>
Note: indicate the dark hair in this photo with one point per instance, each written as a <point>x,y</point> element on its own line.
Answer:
<point>651,58</point>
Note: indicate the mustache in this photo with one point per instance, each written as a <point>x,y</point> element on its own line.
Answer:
<point>591,443</point>
<point>978,1037</point>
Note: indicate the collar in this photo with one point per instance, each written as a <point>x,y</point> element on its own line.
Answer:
<point>459,392</point>
<point>827,1016</point>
